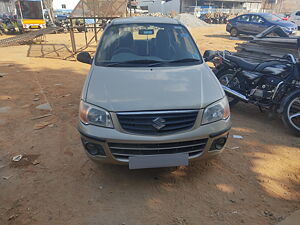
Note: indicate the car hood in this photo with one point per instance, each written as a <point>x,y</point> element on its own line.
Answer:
<point>284,23</point>
<point>153,88</point>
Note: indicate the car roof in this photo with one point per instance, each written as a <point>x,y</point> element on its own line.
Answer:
<point>263,14</point>
<point>144,19</point>
<point>257,14</point>
<point>260,14</point>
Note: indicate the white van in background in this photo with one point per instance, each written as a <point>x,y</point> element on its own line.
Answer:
<point>295,18</point>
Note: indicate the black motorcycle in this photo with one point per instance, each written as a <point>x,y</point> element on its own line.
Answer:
<point>272,85</point>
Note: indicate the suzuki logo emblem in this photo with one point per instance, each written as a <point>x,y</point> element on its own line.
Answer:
<point>158,123</point>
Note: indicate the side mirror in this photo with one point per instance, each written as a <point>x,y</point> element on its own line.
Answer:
<point>84,57</point>
<point>209,55</point>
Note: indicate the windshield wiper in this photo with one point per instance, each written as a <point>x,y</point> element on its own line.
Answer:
<point>141,61</point>
<point>175,61</point>
<point>185,60</point>
<point>151,63</point>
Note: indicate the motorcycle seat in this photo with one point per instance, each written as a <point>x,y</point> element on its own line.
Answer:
<point>243,63</point>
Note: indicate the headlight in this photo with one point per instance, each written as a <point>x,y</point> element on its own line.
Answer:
<point>287,28</point>
<point>217,111</point>
<point>94,115</point>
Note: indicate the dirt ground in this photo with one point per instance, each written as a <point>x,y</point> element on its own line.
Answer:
<point>255,181</point>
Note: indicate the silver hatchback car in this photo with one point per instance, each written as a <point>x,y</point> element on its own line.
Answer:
<point>149,99</point>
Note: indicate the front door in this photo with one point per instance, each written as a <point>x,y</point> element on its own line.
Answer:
<point>243,23</point>
<point>258,24</point>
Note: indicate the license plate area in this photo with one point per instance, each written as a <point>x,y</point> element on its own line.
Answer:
<point>157,161</point>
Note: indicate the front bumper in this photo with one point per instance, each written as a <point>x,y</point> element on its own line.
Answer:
<point>117,146</point>
<point>292,31</point>
<point>33,26</point>
<point>228,27</point>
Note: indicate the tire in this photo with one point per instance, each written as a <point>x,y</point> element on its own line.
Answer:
<point>81,29</point>
<point>291,112</point>
<point>234,32</point>
<point>223,78</point>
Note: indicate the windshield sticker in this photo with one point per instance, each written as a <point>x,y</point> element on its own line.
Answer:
<point>178,27</point>
<point>146,32</point>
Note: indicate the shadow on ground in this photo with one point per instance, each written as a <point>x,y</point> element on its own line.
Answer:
<point>51,51</point>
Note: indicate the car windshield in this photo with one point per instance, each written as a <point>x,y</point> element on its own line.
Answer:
<point>147,44</point>
<point>271,17</point>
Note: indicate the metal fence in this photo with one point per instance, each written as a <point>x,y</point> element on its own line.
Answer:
<point>27,37</point>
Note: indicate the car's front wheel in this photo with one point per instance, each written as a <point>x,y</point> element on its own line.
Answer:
<point>234,32</point>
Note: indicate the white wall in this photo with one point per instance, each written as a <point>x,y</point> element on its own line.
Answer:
<point>252,7</point>
<point>7,7</point>
<point>70,4</point>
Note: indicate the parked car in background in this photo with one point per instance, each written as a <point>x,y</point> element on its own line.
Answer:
<point>282,16</point>
<point>255,23</point>
<point>295,18</point>
<point>150,100</point>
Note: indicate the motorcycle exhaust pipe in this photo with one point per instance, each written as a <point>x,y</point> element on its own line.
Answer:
<point>235,94</point>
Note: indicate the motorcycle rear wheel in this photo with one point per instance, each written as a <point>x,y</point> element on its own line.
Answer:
<point>291,113</point>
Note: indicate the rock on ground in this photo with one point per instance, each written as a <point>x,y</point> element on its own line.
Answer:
<point>190,20</point>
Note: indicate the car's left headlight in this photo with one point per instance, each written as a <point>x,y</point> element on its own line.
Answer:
<point>216,111</point>
<point>90,114</point>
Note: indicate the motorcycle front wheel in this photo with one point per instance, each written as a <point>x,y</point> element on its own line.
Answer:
<point>291,112</point>
<point>226,79</point>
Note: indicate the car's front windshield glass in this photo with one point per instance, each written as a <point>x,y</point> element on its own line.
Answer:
<point>271,17</point>
<point>147,44</point>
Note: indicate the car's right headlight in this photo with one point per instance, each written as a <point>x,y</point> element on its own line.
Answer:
<point>216,111</point>
<point>90,114</point>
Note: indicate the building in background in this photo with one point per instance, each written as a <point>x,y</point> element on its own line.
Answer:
<point>289,6</point>
<point>180,6</point>
<point>283,6</point>
<point>7,7</point>
<point>232,4</point>
<point>64,4</point>
<point>160,6</point>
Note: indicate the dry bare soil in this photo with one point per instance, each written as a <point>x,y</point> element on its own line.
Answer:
<point>257,183</point>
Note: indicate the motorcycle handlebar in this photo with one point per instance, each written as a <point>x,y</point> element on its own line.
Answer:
<point>210,55</point>
<point>290,57</point>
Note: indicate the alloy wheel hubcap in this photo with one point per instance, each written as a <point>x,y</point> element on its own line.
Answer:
<point>225,79</point>
<point>294,113</point>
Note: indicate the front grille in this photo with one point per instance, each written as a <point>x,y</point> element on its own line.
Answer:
<point>157,122</point>
<point>125,150</point>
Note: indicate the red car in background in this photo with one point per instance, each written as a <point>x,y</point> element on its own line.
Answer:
<point>283,17</point>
